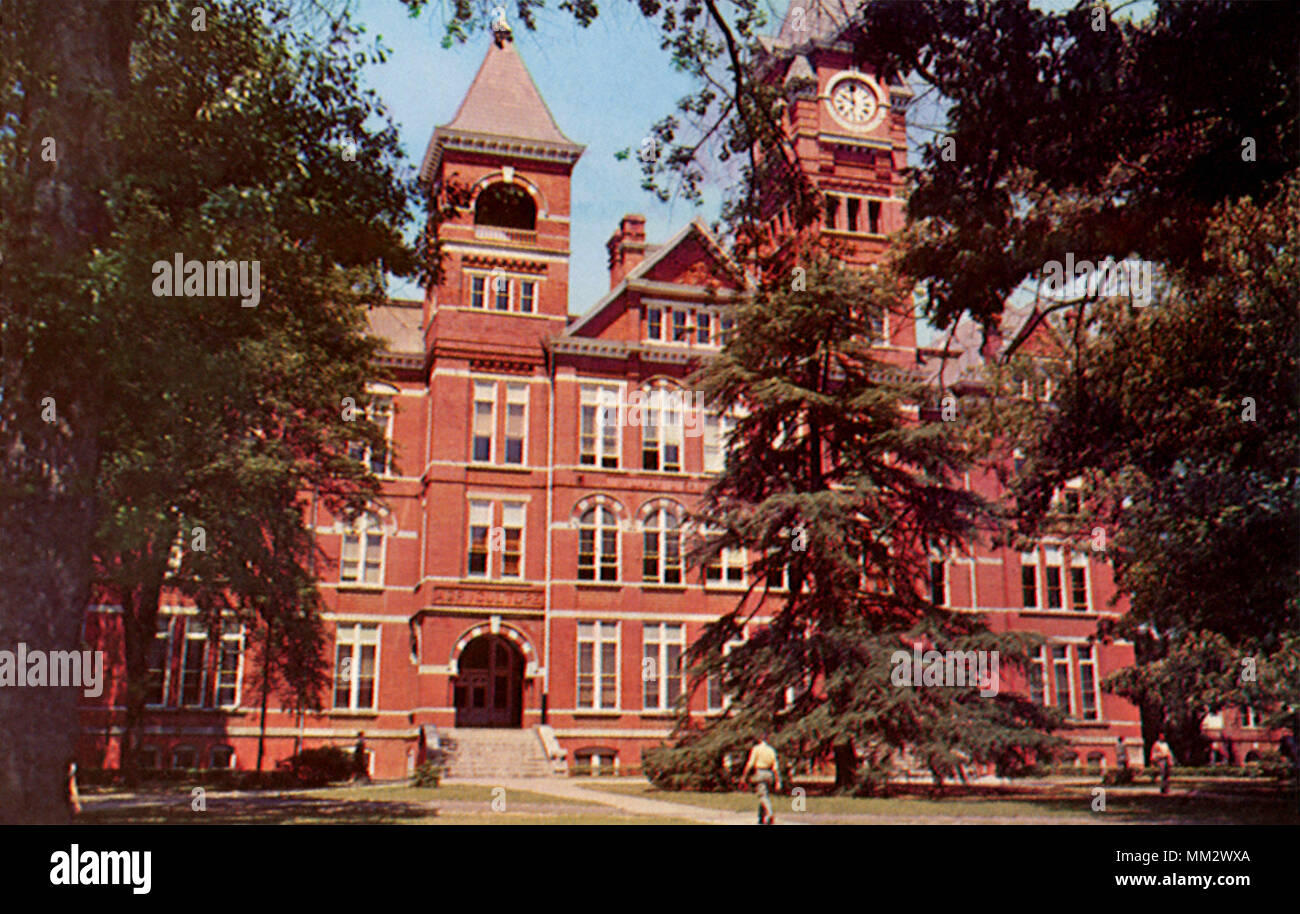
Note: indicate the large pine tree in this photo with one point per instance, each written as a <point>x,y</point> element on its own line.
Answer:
<point>833,483</point>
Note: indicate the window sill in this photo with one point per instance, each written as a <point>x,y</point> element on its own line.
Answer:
<point>598,712</point>
<point>600,585</point>
<point>350,712</point>
<point>651,585</point>
<point>355,587</point>
<point>1057,613</point>
<point>506,467</point>
<point>658,715</point>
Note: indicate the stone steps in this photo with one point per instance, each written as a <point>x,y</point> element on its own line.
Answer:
<point>491,753</point>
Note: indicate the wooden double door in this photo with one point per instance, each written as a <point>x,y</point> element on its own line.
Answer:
<point>489,686</point>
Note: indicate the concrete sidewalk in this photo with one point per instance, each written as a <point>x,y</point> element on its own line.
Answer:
<point>637,806</point>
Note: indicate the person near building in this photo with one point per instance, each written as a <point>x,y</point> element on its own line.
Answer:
<point>1162,758</point>
<point>766,774</point>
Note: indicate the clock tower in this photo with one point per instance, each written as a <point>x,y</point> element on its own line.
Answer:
<point>849,132</point>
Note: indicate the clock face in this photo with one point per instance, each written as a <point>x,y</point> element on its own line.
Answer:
<point>855,101</point>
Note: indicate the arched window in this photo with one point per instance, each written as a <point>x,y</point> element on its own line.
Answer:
<point>662,559</point>
<point>598,545</point>
<point>506,206</point>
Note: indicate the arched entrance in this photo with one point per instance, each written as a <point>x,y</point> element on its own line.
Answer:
<point>489,686</point>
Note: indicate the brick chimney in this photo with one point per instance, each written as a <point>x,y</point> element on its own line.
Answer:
<point>626,247</point>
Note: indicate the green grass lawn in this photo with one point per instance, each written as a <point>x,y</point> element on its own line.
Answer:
<point>1234,803</point>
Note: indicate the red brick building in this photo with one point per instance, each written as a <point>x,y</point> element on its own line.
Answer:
<point>527,559</point>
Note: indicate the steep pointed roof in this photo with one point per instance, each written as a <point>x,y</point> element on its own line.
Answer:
<point>816,20</point>
<point>503,111</point>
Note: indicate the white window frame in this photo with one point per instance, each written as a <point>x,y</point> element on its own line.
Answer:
<point>656,523</point>
<point>1079,562</point>
<point>516,395</point>
<point>598,529</point>
<point>605,400</point>
<point>355,635</point>
<point>714,682</point>
<point>1058,663</point>
<point>656,639</point>
<point>667,434</point>
<point>471,521</point>
<point>1030,560</point>
<point>522,508</point>
<point>718,429</point>
<point>194,632</point>
<point>599,639</point>
<point>365,530</point>
<point>1086,656</point>
<point>481,390</point>
<point>1038,667</point>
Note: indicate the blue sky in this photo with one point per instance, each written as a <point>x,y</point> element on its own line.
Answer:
<point>605,86</point>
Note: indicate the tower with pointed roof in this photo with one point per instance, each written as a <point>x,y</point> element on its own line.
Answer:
<point>505,283</point>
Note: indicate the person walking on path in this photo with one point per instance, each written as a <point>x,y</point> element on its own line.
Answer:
<point>1162,757</point>
<point>767,773</point>
<point>360,762</point>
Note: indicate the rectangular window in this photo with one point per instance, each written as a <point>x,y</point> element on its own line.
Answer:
<point>516,421</point>
<point>159,660</point>
<point>854,205</point>
<point>703,327</point>
<point>477,284</point>
<point>938,582</point>
<point>873,217</point>
<point>1038,677</point>
<point>380,412</point>
<point>485,419</point>
<point>232,647</point>
<point>832,211</point>
<point>599,419</point>
<point>192,665</point>
<point>1088,682</point>
<point>480,524</point>
<point>728,567</point>
<point>661,665</point>
<point>655,318</point>
<point>717,437</point>
<point>1079,589</point>
<point>363,552</point>
<point>527,296</point>
<point>355,649</point>
<point>1061,678</point>
<point>501,293</point>
<point>1053,586</point>
<point>680,332</point>
<point>1070,501</point>
<point>662,432</point>
<point>1029,584</point>
<point>598,665</point>
<point>512,541</point>
<point>725,326</point>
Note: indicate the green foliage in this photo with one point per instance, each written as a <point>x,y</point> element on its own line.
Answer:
<point>1184,422</point>
<point>321,766</point>
<point>1070,138</point>
<point>837,490</point>
<point>428,775</point>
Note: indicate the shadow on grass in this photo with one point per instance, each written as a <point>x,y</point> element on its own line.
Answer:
<point>256,810</point>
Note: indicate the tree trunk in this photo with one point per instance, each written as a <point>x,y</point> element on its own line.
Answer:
<point>139,627</point>
<point>49,418</point>
<point>846,766</point>
<point>266,692</point>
